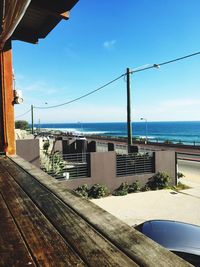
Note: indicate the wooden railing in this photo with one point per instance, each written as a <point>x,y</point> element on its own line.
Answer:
<point>94,236</point>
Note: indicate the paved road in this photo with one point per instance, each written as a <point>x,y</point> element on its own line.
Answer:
<point>191,170</point>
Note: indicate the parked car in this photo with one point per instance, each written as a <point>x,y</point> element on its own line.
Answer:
<point>80,137</point>
<point>183,239</point>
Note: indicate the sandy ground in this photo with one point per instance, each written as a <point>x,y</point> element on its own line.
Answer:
<point>163,204</point>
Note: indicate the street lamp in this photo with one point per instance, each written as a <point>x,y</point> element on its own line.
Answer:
<point>144,119</point>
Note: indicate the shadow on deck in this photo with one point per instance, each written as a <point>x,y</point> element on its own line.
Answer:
<point>44,224</point>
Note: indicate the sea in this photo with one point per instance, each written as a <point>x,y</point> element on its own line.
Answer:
<point>186,132</point>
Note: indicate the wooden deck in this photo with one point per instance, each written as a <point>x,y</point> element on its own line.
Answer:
<point>44,224</point>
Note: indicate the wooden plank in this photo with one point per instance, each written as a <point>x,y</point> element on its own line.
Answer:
<point>141,249</point>
<point>13,251</point>
<point>89,244</point>
<point>44,242</point>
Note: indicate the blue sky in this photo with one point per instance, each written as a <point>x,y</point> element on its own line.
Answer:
<point>99,41</point>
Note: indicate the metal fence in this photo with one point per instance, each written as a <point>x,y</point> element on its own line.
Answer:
<point>67,166</point>
<point>121,149</point>
<point>174,142</point>
<point>189,156</point>
<point>101,146</point>
<point>137,163</point>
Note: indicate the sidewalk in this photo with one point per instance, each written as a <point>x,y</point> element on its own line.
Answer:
<point>164,204</point>
<point>136,208</point>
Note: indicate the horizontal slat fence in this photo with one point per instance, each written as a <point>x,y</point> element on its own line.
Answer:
<point>135,164</point>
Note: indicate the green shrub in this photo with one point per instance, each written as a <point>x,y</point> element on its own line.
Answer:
<point>23,125</point>
<point>159,181</point>
<point>180,175</point>
<point>46,146</point>
<point>122,190</point>
<point>53,164</point>
<point>82,190</point>
<point>145,188</point>
<point>98,191</point>
<point>134,187</point>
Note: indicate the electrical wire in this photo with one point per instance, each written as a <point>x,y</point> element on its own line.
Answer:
<point>123,75</point>
<point>165,63</point>
<point>85,95</point>
<point>23,114</point>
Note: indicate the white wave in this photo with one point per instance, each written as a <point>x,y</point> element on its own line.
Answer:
<point>94,132</point>
<point>75,131</point>
<point>148,137</point>
<point>61,129</point>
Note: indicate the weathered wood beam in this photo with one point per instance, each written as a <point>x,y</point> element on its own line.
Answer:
<point>61,14</point>
<point>91,246</point>
<point>25,35</point>
<point>7,126</point>
<point>54,5</point>
<point>142,250</point>
<point>45,244</point>
<point>65,15</point>
<point>9,235</point>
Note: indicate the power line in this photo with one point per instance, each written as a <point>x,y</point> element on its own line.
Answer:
<point>23,114</point>
<point>165,63</point>
<point>123,75</point>
<point>85,95</point>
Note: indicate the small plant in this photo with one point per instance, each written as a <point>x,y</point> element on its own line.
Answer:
<point>54,163</point>
<point>46,147</point>
<point>122,190</point>
<point>98,191</point>
<point>181,186</point>
<point>145,188</point>
<point>82,190</point>
<point>134,187</point>
<point>180,175</point>
<point>159,181</point>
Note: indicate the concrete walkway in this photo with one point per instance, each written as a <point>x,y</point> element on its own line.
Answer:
<point>163,204</point>
<point>191,170</point>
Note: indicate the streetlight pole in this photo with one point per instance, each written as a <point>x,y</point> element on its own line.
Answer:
<point>144,119</point>
<point>32,130</point>
<point>129,125</point>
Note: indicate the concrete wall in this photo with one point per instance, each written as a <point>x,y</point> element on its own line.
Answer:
<point>103,170</point>
<point>58,146</point>
<point>165,161</point>
<point>29,150</point>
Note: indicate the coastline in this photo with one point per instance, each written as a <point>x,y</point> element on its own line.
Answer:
<point>158,132</point>
<point>178,147</point>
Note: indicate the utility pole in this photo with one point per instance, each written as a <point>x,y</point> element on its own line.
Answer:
<point>32,131</point>
<point>129,126</point>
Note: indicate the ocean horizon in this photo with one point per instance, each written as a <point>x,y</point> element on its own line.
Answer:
<point>177,131</point>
